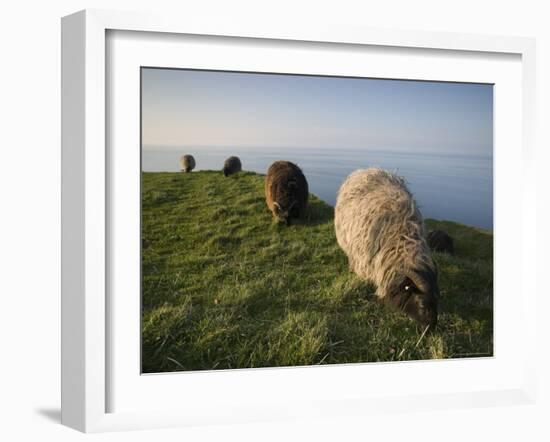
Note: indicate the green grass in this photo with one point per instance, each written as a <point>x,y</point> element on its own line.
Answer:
<point>224,286</point>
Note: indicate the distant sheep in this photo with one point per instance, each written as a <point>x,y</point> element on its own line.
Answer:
<point>187,163</point>
<point>232,165</point>
<point>440,241</point>
<point>286,191</point>
<point>381,230</point>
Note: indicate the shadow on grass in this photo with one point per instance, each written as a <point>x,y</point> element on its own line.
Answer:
<point>317,212</point>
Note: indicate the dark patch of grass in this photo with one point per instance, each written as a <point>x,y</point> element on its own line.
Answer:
<point>224,286</point>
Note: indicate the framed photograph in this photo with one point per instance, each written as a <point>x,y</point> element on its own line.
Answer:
<point>262,224</point>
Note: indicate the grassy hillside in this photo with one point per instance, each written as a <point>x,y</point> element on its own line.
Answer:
<point>226,287</point>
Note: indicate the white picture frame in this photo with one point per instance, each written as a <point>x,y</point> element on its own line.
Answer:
<point>86,204</point>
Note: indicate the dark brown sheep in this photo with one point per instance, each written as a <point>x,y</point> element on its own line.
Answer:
<point>187,163</point>
<point>440,241</point>
<point>286,191</point>
<point>232,165</point>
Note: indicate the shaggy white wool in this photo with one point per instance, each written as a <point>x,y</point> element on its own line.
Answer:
<point>381,230</point>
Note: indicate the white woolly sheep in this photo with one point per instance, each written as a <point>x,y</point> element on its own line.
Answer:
<point>379,227</point>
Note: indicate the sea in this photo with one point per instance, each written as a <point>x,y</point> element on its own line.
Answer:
<point>446,186</point>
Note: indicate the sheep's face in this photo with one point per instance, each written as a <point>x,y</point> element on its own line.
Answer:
<point>418,298</point>
<point>284,213</point>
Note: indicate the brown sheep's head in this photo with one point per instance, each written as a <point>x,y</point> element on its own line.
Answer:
<point>417,295</point>
<point>284,213</point>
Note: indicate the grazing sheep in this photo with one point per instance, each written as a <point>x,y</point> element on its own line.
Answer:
<point>286,191</point>
<point>440,241</point>
<point>232,165</point>
<point>381,230</point>
<point>187,163</point>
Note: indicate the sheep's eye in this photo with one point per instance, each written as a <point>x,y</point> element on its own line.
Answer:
<point>408,286</point>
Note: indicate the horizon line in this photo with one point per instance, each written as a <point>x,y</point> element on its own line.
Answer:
<point>147,146</point>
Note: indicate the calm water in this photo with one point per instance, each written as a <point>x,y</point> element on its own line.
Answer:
<point>450,187</point>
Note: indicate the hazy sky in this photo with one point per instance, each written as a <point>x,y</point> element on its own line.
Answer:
<point>200,108</point>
